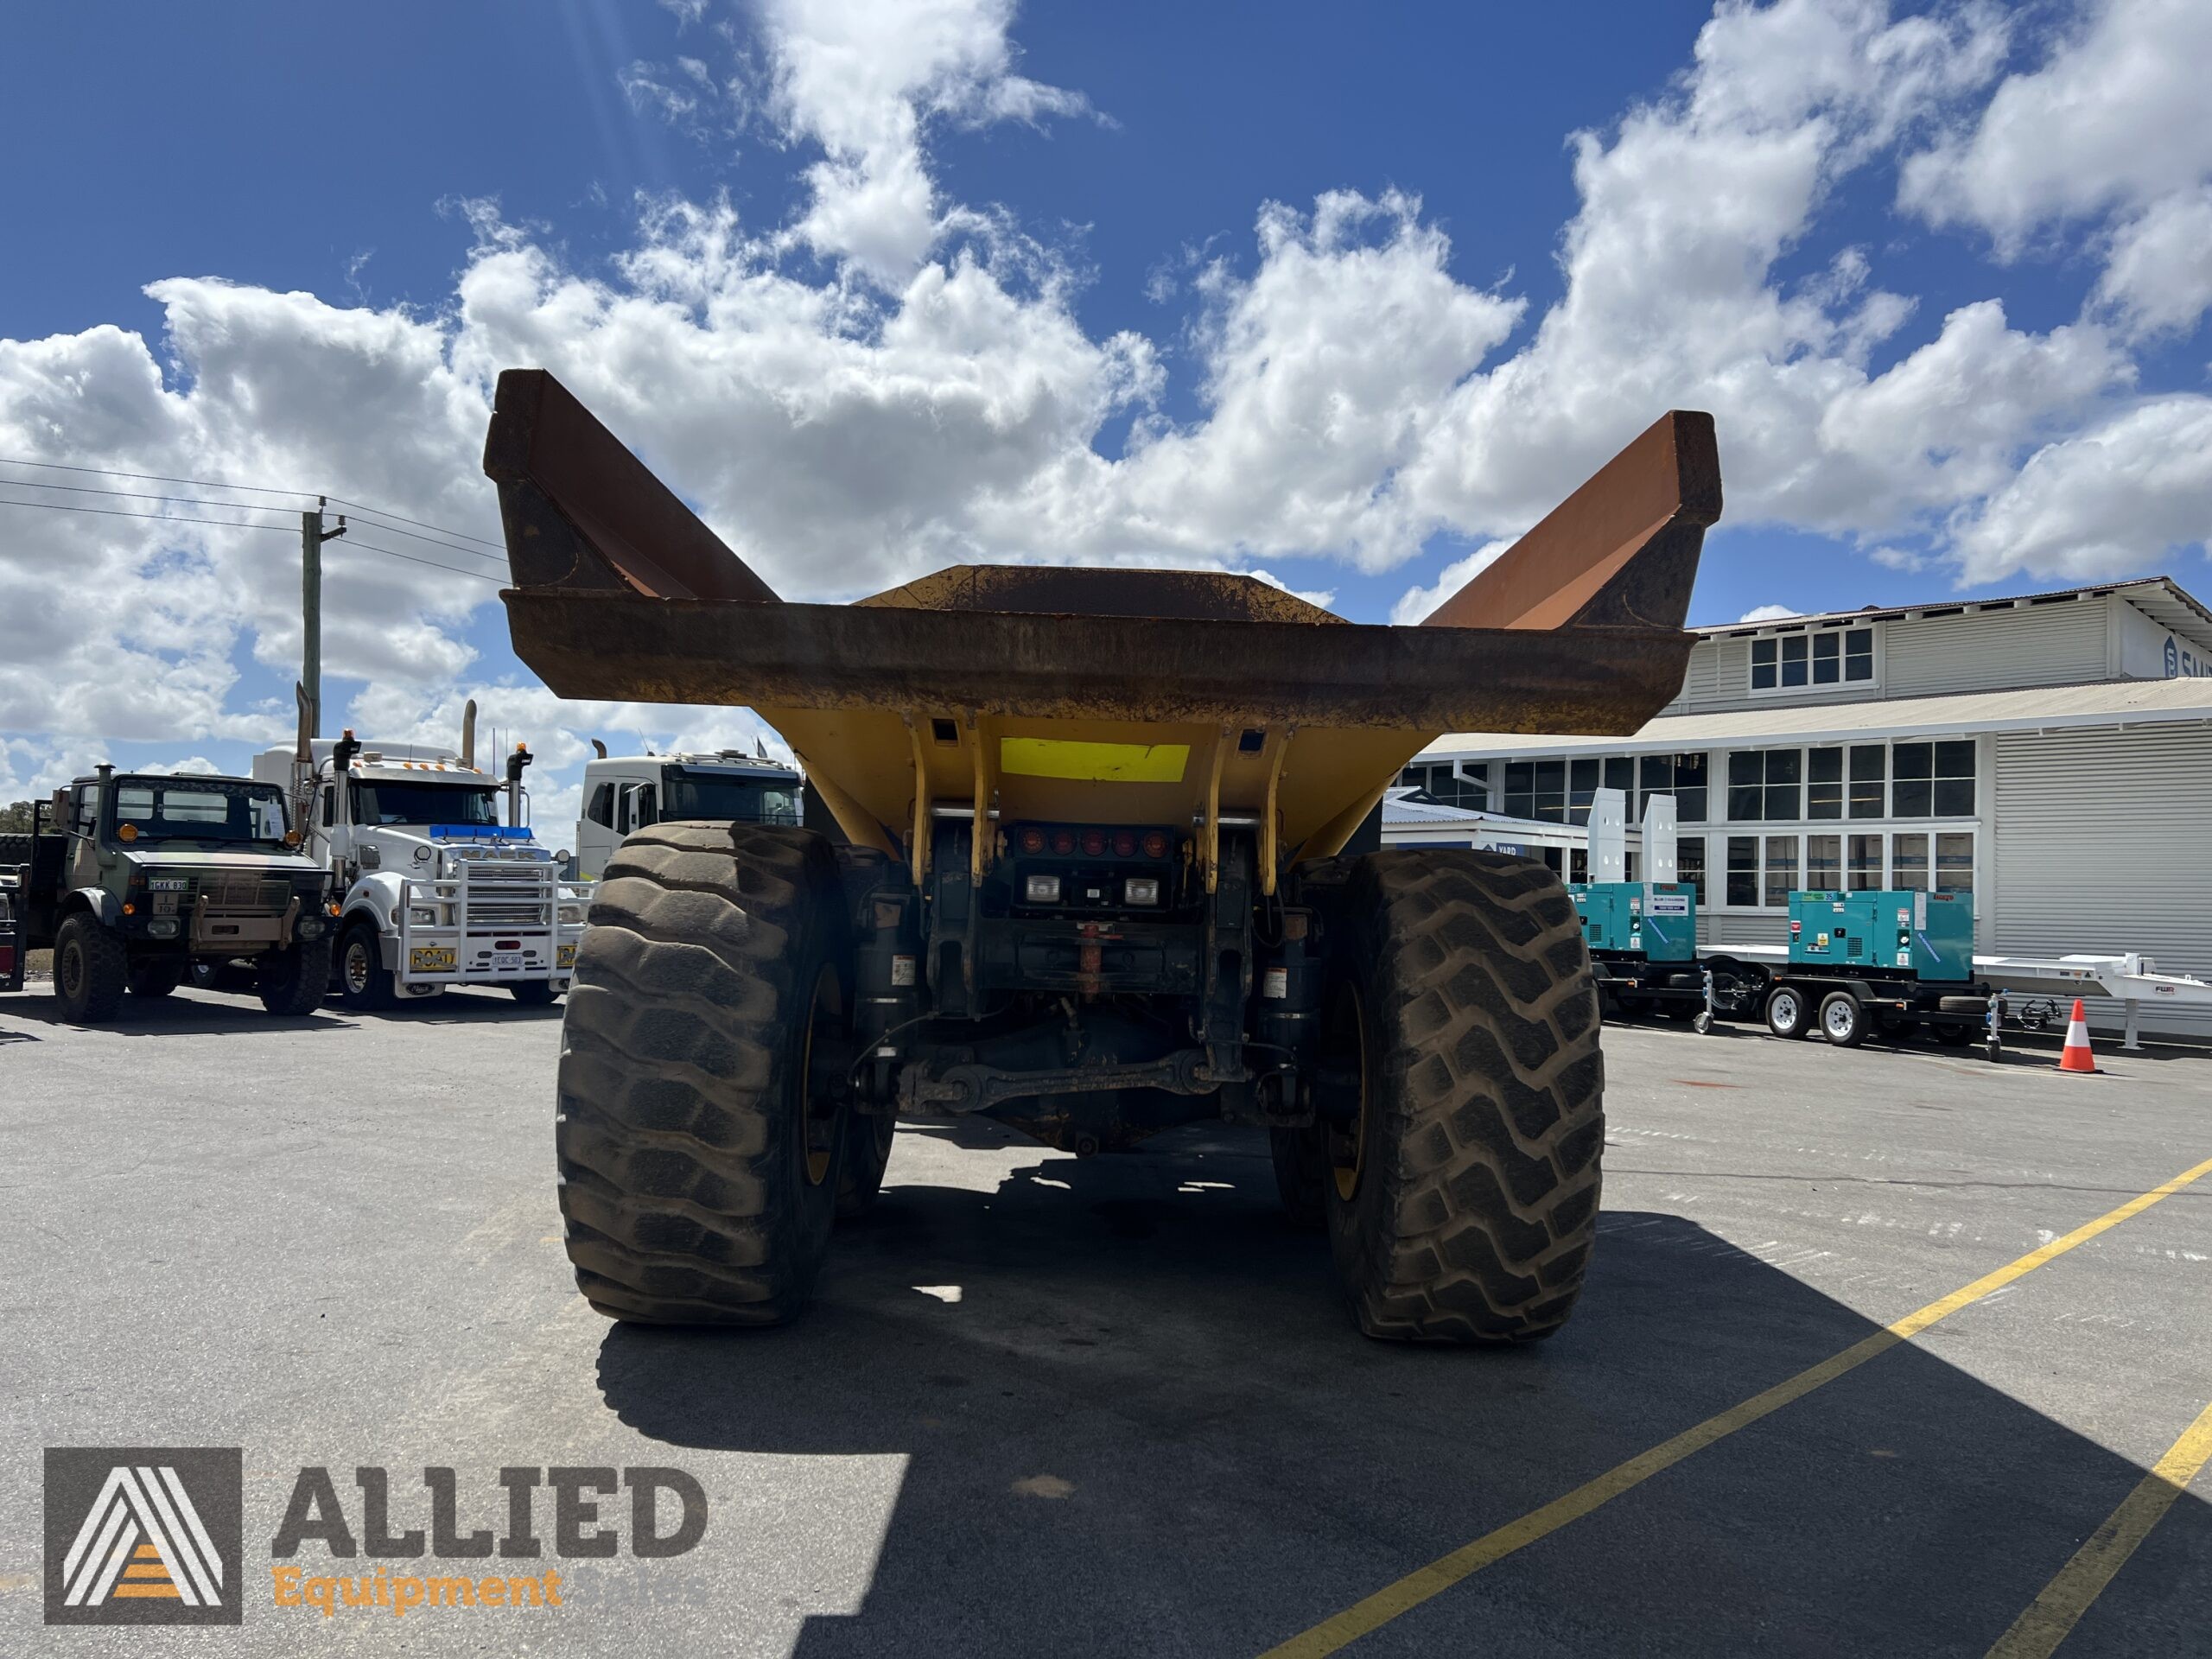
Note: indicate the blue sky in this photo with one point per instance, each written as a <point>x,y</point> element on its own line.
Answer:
<point>1940,361</point>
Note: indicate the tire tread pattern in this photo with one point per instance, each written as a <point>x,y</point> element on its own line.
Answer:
<point>1492,1087</point>
<point>676,1045</point>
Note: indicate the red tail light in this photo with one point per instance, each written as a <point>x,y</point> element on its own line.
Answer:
<point>1064,842</point>
<point>1094,843</point>
<point>1033,840</point>
<point>1125,845</point>
<point>1155,845</point>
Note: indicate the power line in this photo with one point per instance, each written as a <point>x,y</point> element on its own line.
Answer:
<point>248,489</point>
<point>157,478</point>
<point>495,558</point>
<point>231,524</point>
<point>162,518</point>
<point>340,501</point>
<point>136,495</point>
<point>370,547</point>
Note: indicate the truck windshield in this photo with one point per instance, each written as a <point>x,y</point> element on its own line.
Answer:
<point>198,809</point>
<point>691,795</point>
<point>411,802</point>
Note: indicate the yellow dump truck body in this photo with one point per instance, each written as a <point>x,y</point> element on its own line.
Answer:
<point>1095,695</point>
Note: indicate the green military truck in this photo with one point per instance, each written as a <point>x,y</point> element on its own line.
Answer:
<point>132,878</point>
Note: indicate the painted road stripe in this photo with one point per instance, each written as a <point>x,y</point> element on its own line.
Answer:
<point>1442,1573</point>
<point>2037,1632</point>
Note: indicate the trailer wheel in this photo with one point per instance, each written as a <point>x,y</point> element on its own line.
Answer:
<point>90,970</point>
<point>295,982</point>
<point>1301,1164</point>
<point>1787,1014</point>
<point>868,1154</point>
<point>153,979</point>
<point>703,1114</point>
<point>1464,1136</point>
<point>364,983</point>
<point>1951,1034</point>
<point>1843,1020</point>
<point>533,992</point>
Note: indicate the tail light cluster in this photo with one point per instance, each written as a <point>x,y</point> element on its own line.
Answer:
<point>1096,887</point>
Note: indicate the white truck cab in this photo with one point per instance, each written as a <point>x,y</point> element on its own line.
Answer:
<point>628,791</point>
<point>437,890</point>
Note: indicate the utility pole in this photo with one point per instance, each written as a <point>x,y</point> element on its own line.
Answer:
<point>312,537</point>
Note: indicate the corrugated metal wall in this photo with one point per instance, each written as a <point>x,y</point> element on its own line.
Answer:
<point>2103,842</point>
<point>2042,645</point>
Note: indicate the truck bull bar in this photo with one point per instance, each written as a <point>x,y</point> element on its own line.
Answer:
<point>493,923</point>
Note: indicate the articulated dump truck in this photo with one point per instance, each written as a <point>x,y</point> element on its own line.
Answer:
<point>1084,870</point>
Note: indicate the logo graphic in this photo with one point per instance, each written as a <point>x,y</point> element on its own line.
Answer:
<point>144,1535</point>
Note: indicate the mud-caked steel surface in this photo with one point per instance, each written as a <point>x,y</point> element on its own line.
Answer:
<point>620,593</point>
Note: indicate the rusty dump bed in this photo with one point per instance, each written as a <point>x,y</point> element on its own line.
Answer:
<point>1095,695</point>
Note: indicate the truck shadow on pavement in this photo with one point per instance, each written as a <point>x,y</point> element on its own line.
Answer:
<point>1136,1420</point>
<point>177,1014</point>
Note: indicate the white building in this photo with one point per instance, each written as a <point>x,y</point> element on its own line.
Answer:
<point>2051,754</point>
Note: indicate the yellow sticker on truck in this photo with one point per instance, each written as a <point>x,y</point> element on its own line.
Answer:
<point>1094,763</point>
<point>430,959</point>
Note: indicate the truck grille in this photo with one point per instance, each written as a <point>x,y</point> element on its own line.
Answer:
<point>509,895</point>
<point>237,890</point>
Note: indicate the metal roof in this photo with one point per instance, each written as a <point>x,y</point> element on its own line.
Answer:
<point>2160,598</point>
<point>2042,707</point>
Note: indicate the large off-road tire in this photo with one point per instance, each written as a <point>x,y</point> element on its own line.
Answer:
<point>1301,1162</point>
<point>364,984</point>
<point>701,1133</point>
<point>868,1154</point>
<point>90,970</point>
<point>153,978</point>
<point>295,982</point>
<point>1462,1199</point>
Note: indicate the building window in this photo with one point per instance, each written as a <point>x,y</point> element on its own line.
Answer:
<point>1578,864</point>
<point>1864,870</point>
<point>1743,887</point>
<point>1682,776</point>
<point>1909,863</point>
<point>1781,870</point>
<point>1835,655</point>
<point>1955,863</point>
<point>1824,863</point>
<point>1536,789</point>
<point>1689,865</point>
<point>1764,784</point>
<point>1824,782</point>
<point>1868,762</point>
<point>1934,780</point>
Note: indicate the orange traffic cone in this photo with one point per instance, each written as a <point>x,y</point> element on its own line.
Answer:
<point>2076,1055</point>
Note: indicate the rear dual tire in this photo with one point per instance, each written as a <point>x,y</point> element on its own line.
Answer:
<point>1461,1196</point>
<point>702,1143</point>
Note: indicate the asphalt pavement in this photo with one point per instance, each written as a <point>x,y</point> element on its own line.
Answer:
<point>1112,1406</point>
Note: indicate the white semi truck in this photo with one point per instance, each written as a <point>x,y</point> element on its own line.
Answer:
<point>437,892</point>
<point>625,792</point>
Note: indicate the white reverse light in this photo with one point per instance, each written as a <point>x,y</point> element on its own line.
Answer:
<point>1042,889</point>
<point>1140,890</point>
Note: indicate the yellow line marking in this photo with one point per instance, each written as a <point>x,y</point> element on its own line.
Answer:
<point>1439,1575</point>
<point>2051,1616</point>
